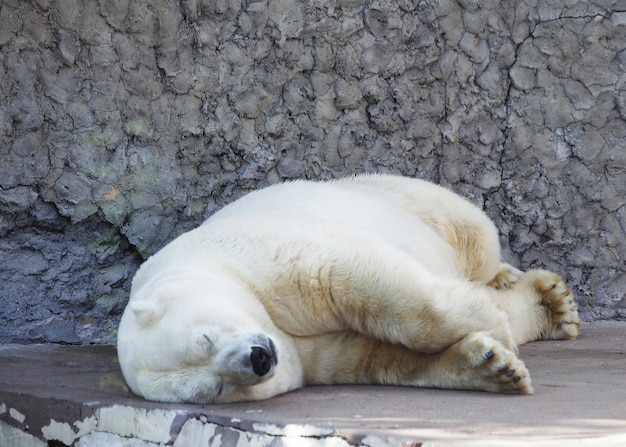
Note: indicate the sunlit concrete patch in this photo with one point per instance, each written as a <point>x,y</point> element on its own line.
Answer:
<point>130,426</point>
<point>100,439</point>
<point>126,426</point>
<point>14,437</point>
<point>291,430</point>
<point>150,425</point>
<point>17,415</point>
<point>66,433</point>
<point>198,433</point>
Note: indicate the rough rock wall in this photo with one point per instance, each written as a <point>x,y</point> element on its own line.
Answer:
<point>124,123</point>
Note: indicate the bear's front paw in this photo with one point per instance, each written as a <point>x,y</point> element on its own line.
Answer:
<point>563,321</point>
<point>489,366</point>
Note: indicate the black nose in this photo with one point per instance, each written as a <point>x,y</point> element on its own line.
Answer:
<point>263,359</point>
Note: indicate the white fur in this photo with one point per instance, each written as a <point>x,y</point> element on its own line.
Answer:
<point>335,273</point>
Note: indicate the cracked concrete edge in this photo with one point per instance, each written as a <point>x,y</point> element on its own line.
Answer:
<point>123,425</point>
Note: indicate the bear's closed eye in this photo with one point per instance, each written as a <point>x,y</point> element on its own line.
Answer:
<point>211,344</point>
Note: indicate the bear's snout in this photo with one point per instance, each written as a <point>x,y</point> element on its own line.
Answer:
<point>263,358</point>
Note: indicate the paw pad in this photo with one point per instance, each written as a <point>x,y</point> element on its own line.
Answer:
<point>562,310</point>
<point>494,366</point>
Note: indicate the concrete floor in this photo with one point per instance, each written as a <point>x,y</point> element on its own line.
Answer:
<point>70,395</point>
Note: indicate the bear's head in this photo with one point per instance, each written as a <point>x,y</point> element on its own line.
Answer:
<point>196,341</point>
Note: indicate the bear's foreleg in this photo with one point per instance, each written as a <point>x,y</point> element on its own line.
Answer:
<point>477,362</point>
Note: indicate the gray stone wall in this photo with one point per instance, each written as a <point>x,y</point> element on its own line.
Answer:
<point>124,123</point>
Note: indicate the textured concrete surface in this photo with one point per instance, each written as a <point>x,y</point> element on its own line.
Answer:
<point>76,396</point>
<point>124,123</point>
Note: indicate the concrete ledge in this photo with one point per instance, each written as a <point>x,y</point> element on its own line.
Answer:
<point>54,395</point>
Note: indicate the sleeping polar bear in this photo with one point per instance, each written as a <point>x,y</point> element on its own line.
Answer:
<point>366,280</point>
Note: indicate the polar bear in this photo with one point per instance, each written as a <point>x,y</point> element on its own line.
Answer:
<point>372,279</point>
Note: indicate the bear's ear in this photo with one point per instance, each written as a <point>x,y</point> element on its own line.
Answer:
<point>147,312</point>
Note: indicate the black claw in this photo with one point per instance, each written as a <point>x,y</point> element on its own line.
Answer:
<point>517,379</point>
<point>504,369</point>
<point>489,355</point>
<point>510,373</point>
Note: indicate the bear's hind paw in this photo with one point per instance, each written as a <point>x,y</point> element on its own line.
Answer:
<point>563,322</point>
